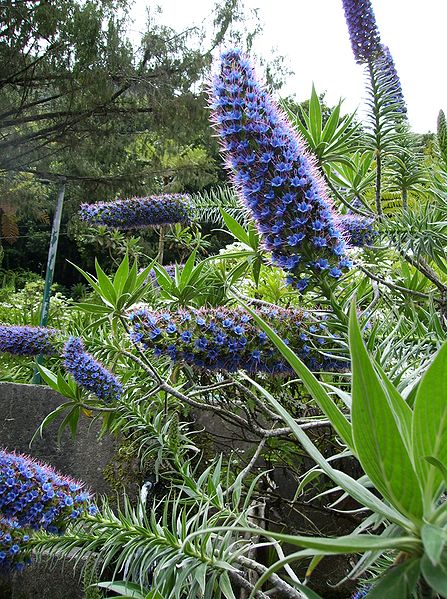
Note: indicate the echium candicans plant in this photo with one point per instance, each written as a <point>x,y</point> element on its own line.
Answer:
<point>136,213</point>
<point>386,105</point>
<point>402,449</point>
<point>228,339</point>
<point>275,176</point>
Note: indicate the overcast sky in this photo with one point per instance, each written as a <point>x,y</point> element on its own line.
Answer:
<point>312,35</point>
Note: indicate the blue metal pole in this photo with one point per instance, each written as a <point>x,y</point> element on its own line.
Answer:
<point>52,252</point>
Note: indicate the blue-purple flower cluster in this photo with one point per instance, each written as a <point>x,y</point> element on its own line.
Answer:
<point>390,82</point>
<point>14,553</point>
<point>89,373</point>
<point>135,213</point>
<point>275,176</point>
<point>230,340</point>
<point>35,496</point>
<point>361,593</point>
<point>363,31</point>
<point>27,341</point>
<point>358,229</point>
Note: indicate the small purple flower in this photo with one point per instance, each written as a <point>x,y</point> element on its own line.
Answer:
<point>274,174</point>
<point>137,213</point>
<point>27,341</point>
<point>89,373</point>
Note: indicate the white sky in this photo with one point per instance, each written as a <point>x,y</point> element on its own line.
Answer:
<point>313,36</point>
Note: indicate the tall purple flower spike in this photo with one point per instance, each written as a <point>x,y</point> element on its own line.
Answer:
<point>363,31</point>
<point>226,339</point>
<point>390,82</point>
<point>27,341</point>
<point>275,176</point>
<point>89,373</point>
<point>137,213</point>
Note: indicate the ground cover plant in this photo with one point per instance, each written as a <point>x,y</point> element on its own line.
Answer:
<point>316,339</point>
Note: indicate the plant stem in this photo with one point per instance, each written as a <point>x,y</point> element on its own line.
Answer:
<point>378,184</point>
<point>404,198</point>
<point>161,244</point>
<point>336,308</point>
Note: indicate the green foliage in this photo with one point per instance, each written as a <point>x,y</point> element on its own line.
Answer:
<point>331,142</point>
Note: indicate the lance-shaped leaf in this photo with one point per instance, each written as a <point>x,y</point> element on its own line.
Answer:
<point>430,425</point>
<point>377,437</point>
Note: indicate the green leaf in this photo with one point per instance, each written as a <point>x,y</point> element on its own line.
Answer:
<point>306,592</point>
<point>70,421</point>
<point>399,582</point>
<point>48,376</point>
<point>436,576</point>
<point>106,286</point>
<point>324,401</point>
<point>89,278</point>
<point>133,278</point>
<point>93,308</point>
<point>441,467</point>
<point>434,539</point>
<point>64,387</point>
<point>430,424</point>
<point>378,442</point>
<point>352,543</point>
<point>401,410</point>
<point>119,280</point>
<point>225,586</point>
<point>188,267</point>
<point>331,124</point>
<point>235,228</point>
<point>315,117</point>
<point>128,589</point>
<point>49,419</point>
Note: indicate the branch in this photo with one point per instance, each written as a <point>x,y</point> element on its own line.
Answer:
<point>285,589</point>
<point>395,287</point>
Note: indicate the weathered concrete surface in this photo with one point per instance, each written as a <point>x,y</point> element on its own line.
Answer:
<point>22,409</point>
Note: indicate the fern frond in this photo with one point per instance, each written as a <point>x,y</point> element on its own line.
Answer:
<point>9,226</point>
